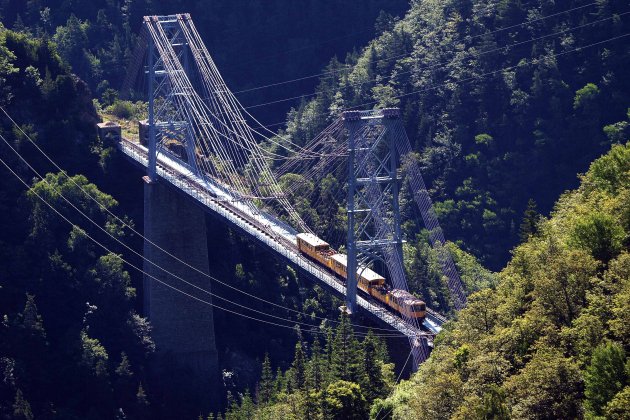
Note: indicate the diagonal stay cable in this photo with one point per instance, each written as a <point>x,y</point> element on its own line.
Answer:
<point>125,224</point>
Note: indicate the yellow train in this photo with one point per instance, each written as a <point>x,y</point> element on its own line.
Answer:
<point>369,281</point>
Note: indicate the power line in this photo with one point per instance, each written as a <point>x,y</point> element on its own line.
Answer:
<point>125,224</point>
<point>381,60</point>
<point>456,82</point>
<point>157,279</point>
<point>437,65</point>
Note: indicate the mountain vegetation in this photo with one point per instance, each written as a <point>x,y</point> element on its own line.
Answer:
<point>551,339</point>
<point>505,102</point>
<point>250,40</point>
<point>337,380</point>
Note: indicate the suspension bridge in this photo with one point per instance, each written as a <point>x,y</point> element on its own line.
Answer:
<point>200,142</point>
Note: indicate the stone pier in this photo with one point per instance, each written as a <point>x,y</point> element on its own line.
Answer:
<point>183,328</point>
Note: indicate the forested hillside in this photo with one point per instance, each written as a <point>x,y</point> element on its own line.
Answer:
<point>253,42</point>
<point>552,340</point>
<point>506,101</point>
<point>72,344</point>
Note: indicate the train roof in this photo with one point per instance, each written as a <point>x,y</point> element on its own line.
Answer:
<point>405,296</point>
<point>312,240</point>
<point>341,258</point>
<point>370,275</point>
<point>367,273</point>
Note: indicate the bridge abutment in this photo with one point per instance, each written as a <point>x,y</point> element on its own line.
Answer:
<point>183,328</point>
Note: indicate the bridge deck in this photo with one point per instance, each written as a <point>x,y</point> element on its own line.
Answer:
<point>266,229</point>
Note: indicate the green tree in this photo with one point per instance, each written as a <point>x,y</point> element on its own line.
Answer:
<point>265,386</point>
<point>21,407</point>
<point>298,367</point>
<point>344,400</point>
<point>549,386</point>
<point>316,369</point>
<point>601,234</point>
<point>345,353</point>
<point>619,407</point>
<point>494,405</point>
<point>373,384</point>
<point>530,220</point>
<point>585,96</point>
<point>605,376</point>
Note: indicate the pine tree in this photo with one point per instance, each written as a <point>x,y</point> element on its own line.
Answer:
<point>124,383</point>
<point>142,403</point>
<point>345,357</point>
<point>124,368</point>
<point>330,337</point>
<point>316,371</point>
<point>373,384</point>
<point>247,408</point>
<point>530,221</point>
<point>265,386</point>
<point>21,407</point>
<point>299,368</point>
<point>31,319</point>
<point>312,405</point>
<point>279,384</point>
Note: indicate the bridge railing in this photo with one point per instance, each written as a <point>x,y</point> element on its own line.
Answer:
<point>197,190</point>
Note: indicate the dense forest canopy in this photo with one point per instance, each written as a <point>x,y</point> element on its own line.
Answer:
<point>552,339</point>
<point>253,42</point>
<point>506,102</point>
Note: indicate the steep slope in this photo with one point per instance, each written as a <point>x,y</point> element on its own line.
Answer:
<point>504,100</point>
<point>552,339</point>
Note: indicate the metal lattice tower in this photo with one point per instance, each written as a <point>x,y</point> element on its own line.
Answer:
<point>164,124</point>
<point>374,232</point>
<point>373,209</point>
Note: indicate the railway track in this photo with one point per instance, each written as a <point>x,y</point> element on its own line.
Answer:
<point>265,234</point>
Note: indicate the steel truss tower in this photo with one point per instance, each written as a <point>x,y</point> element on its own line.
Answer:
<point>164,123</point>
<point>374,232</point>
<point>373,185</point>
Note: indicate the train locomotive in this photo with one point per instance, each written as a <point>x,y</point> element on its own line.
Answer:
<point>368,281</point>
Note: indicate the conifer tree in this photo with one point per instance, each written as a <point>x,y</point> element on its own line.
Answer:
<point>316,370</point>
<point>373,384</point>
<point>279,384</point>
<point>345,357</point>
<point>142,403</point>
<point>299,367</point>
<point>21,407</point>
<point>530,220</point>
<point>266,385</point>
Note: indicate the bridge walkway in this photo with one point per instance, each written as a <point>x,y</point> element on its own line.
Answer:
<point>267,230</point>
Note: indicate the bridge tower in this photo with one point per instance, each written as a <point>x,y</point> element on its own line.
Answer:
<point>174,227</point>
<point>373,184</point>
<point>374,232</point>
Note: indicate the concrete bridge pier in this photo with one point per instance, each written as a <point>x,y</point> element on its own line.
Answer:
<point>183,328</point>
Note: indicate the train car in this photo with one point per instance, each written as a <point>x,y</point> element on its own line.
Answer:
<point>370,282</point>
<point>406,304</point>
<point>315,247</point>
<point>366,278</point>
<point>380,293</point>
